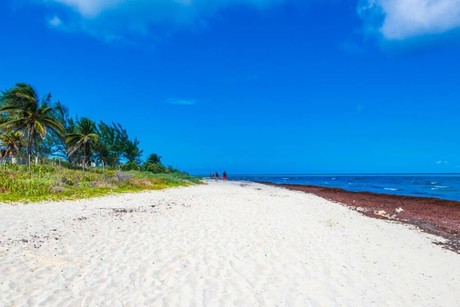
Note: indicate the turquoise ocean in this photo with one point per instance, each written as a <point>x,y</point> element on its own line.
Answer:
<point>442,186</point>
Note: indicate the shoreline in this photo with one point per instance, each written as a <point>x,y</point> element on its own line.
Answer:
<point>432,215</point>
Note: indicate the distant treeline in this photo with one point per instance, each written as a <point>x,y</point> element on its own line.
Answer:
<point>37,130</point>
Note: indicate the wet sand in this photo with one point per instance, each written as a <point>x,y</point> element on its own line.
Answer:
<point>435,216</point>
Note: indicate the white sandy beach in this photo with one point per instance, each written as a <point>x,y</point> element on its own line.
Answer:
<point>221,244</point>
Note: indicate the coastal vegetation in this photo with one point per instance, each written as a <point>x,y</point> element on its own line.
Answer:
<point>48,154</point>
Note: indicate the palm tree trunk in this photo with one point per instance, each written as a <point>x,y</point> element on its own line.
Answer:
<point>30,142</point>
<point>35,146</point>
<point>29,153</point>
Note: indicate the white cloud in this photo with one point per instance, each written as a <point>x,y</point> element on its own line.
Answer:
<point>181,102</point>
<point>401,19</point>
<point>113,18</point>
<point>55,21</point>
<point>91,8</point>
<point>440,162</point>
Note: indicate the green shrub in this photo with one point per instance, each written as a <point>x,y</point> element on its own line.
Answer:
<point>155,168</point>
<point>48,182</point>
<point>131,166</point>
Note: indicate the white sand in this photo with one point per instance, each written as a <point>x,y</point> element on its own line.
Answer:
<point>217,245</point>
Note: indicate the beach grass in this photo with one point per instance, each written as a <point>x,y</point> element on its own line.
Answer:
<point>49,183</point>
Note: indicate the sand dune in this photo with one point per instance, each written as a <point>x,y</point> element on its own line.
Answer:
<point>221,244</point>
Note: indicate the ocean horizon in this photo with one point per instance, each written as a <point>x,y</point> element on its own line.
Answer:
<point>429,185</point>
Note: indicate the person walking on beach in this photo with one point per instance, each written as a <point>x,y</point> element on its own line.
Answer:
<point>217,176</point>
<point>224,176</point>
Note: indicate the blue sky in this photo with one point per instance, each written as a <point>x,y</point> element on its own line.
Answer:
<point>253,86</point>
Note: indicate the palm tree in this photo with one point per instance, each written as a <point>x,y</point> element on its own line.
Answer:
<point>56,145</point>
<point>154,159</point>
<point>11,143</point>
<point>106,148</point>
<point>28,113</point>
<point>83,141</point>
<point>132,152</point>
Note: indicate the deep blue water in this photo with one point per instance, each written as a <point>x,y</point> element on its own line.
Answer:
<point>443,186</point>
